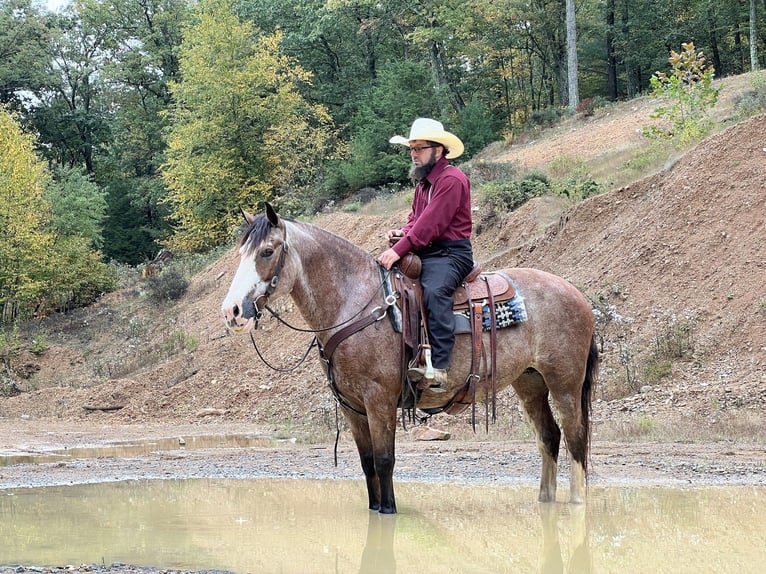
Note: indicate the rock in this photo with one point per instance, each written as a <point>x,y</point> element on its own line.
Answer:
<point>424,432</point>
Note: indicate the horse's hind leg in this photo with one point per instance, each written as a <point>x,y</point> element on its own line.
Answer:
<point>534,400</point>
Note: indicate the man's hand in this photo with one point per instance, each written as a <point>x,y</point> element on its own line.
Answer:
<point>394,235</point>
<point>388,258</point>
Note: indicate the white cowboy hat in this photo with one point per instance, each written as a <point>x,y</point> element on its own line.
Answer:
<point>431,130</point>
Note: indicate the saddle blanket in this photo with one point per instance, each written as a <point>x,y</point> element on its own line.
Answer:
<point>507,313</point>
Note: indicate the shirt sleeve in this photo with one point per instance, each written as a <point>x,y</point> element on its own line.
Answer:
<point>439,205</point>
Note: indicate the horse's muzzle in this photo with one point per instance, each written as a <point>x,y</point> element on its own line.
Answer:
<point>241,318</point>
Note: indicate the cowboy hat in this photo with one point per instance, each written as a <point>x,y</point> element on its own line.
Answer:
<point>431,130</point>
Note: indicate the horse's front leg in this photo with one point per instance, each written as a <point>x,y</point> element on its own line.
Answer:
<point>361,432</point>
<point>383,430</point>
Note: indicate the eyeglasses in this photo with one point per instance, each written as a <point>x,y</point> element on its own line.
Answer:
<point>420,148</point>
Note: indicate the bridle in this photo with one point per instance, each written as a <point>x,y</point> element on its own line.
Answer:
<point>376,314</point>
<point>272,286</point>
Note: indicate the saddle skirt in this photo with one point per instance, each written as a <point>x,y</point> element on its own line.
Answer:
<point>478,287</point>
<point>495,285</point>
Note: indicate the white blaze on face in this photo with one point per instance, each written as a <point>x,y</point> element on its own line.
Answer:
<point>245,289</point>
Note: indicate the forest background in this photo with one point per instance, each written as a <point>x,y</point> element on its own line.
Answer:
<point>133,125</point>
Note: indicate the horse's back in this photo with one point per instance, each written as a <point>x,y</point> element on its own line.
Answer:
<point>558,318</point>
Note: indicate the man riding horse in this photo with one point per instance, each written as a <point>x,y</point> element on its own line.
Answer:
<point>438,230</point>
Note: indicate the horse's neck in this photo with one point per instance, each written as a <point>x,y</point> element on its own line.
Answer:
<point>336,280</point>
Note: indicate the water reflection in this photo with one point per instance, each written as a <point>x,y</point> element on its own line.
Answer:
<point>298,526</point>
<point>140,448</point>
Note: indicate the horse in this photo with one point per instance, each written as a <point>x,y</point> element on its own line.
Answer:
<point>552,354</point>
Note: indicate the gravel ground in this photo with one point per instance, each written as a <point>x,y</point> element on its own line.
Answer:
<point>474,460</point>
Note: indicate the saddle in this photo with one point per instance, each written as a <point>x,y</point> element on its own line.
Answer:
<point>479,289</point>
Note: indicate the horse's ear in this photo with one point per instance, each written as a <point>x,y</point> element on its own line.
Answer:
<point>249,217</point>
<point>271,215</point>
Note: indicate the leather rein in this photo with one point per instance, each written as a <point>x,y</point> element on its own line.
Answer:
<point>350,325</point>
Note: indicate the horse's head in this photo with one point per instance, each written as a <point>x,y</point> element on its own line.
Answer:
<point>263,252</point>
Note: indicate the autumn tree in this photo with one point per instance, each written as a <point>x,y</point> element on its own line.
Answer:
<point>47,232</point>
<point>241,131</point>
<point>25,242</point>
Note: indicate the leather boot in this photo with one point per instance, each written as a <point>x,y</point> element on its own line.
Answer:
<point>437,384</point>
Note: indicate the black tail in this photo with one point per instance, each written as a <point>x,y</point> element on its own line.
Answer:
<point>591,376</point>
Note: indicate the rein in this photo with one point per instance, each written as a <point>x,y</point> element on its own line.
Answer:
<point>376,314</point>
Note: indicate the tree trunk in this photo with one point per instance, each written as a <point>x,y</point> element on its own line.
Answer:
<point>714,48</point>
<point>611,58</point>
<point>753,39</point>
<point>441,77</point>
<point>572,88</point>
<point>631,86</point>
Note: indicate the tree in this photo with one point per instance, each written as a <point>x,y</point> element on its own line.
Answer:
<point>688,94</point>
<point>572,89</point>
<point>23,51</point>
<point>78,207</point>
<point>241,132</point>
<point>25,241</point>
<point>753,38</point>
<point>144,39</point>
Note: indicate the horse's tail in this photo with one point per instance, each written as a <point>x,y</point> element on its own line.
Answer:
<point>591,375</point>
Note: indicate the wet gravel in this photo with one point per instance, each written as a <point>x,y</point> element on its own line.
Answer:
<point>474,461</point>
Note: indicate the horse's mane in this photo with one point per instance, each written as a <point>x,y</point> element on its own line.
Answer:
<point>260,228</point>
<point>255,233</point>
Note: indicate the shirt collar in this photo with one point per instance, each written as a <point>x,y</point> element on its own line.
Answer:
<point>436,170</point>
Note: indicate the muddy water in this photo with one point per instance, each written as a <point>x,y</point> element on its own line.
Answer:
<point>299,526</point>
<point>139,448</point>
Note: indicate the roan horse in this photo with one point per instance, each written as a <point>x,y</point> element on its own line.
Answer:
<point>333,282</point>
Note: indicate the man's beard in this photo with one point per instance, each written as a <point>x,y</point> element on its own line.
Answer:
<point>418,172</point>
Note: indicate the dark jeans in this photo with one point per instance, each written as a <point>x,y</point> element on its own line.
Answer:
<point>445,265</point>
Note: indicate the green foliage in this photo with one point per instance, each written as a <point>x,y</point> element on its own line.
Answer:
<point>655,369</point>
<point>24,38</point>
<point>673,341</point>
<point>170,285</point>
<point>46,260</point>
<point>39,344</point>
<point>26,245</point>
<point>241,130</point>
<point>179,342</point>
<point>477,128</point>
<point>78,276</point>
<point>688,92</point>
<point>547,117</point>
<point>400,94</point>
<point>675,337</point>
<point>753,101</point>
<point>10,345</point>
<point>507,195</point>
<point>79,206</point>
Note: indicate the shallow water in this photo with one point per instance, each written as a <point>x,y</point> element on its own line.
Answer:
<point>300,526</point>
<point>139,448</point>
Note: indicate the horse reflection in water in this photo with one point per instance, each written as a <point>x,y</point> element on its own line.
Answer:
<point>379,554</point>
<point>334,283</point>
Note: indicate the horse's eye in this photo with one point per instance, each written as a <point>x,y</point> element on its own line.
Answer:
<point>268,252</point>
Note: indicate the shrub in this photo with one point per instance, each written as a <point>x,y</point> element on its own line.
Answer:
<point>545,118</point>
<point>586,107</point>
<point>510,194</point>
<point>170,285</point>
<point>689,93</point>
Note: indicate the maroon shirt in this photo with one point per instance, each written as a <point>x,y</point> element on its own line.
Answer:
<point>441,209</point>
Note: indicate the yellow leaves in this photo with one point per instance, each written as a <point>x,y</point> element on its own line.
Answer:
<point>241,130</point>
<point>25,244</point>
